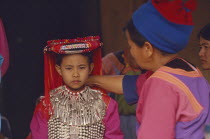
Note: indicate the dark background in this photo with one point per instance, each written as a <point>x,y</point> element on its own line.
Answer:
<point>28,25</point>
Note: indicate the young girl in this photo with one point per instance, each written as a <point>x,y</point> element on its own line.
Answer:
<point>70,109</point>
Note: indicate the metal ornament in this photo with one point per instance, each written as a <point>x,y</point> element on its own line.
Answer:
<point>76,115</point>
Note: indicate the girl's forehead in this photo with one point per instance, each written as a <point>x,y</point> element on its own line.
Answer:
<point>75,58</point>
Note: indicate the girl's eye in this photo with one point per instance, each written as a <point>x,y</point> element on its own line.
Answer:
<point>206,47</point>
<point>68,68</point>
<point>82,67</point>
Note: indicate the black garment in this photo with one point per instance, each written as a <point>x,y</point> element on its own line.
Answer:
<point>179,63</point>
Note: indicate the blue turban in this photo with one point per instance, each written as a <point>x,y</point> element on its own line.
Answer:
<point>165,24</point>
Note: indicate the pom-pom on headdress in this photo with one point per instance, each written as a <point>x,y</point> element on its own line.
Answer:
<point>166,24</point>
<point>52,79</point>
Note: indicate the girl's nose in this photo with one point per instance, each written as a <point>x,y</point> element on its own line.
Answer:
<point>76,73</point>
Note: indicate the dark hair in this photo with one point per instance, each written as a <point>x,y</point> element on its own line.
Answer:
<point>205,32</point>
<point>59,57</point>
<point>137,37</point>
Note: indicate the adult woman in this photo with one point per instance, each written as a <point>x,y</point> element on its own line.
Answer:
<point>174,101</point>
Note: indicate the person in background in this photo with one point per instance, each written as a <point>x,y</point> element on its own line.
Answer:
<point>204,54</point>
<point>5,129</point>
<point>122,63</point>
<point>174,101</point>
<point>204,41</point>
<point>4,50</point>
<point>4,61</point>
<point>70,109</point>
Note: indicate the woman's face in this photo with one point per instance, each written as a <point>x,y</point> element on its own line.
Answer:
<point>136,52</point>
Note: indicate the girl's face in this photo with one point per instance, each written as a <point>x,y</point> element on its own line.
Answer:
<point>204,53</point>
<point>75,70</point>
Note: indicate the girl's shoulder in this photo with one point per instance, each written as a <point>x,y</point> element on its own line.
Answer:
<point>104,95</point>
<point>106,99</point>
<point>43,106</point>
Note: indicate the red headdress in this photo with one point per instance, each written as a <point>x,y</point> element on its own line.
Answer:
<point>52,79</point>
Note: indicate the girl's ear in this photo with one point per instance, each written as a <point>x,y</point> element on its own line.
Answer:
<point>91,68</point>
<point>58,69</point>
<point>148,48</point>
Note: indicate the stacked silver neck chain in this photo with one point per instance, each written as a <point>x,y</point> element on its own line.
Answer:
<point>76,115</point>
